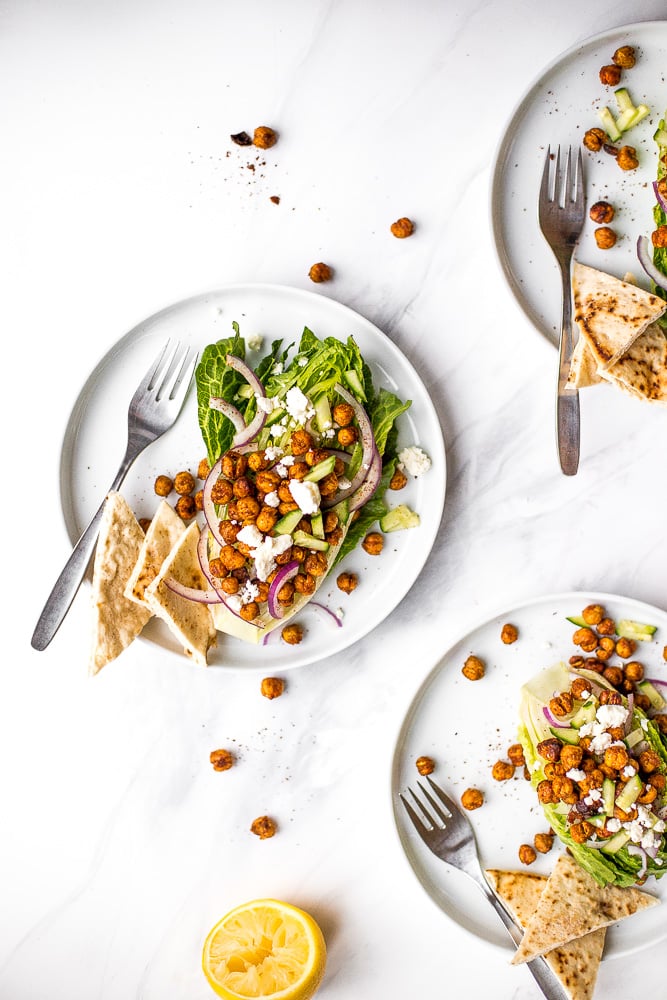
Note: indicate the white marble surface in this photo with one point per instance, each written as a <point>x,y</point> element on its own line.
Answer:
<point>119,844</point>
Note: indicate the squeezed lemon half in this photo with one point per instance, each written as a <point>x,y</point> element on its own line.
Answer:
<point>265,948</point>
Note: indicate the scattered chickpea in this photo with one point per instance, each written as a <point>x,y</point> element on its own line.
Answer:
<point>203,469</point>
<point>221,760</point>
<point>610,75</point>
<point>292,634</point>
<point>625,648</point>
<point>515,754</point>
<point>347,582</point>
<point>186,508</point>
<point>543,842</point>
<point>425,765</point>
<point>627,158</point>
<point>263,827</point>
<point>343,414</point>
<point>664,652</point>
<point>402,228</point>
<point>472,798</point>
<point>373,543</point>
<point>184,483</point>
<point>527,854</point>
<point>473,668</point>
<point>502,770</point>
<point>607,627</point>
<point>659,236</point>
<point>398,481</point>
<point>264,137</point>
<point>320,272</point>
<point>624,57</point>
<point>347,436</point>
<point>594,139</point>
<point>163,486</point>
<point>601,212</point>
<point>605,237</point>
<point>509,634</point>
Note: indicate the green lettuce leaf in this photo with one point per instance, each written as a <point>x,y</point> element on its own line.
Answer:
<point>371,512</point>
<point>214,377</point>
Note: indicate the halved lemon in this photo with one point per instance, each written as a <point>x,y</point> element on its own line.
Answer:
<point>265,948</point>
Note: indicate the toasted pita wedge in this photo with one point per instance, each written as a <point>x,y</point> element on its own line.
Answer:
<point>117,621</point>
<point>190,621</point>
<point>583,367</point>
<point>642,370</point>
<point>163,532</point>
<point>572,905</point>
<point>576,963</point>
<point>610,313</point>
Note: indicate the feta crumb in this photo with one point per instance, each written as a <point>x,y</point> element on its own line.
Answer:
<point>281,469</point>
<point>234,602</point>
<point>329,433</point>
<point>267,404</point>
<point>277,430</point>
<point>306,495</point>
<point>575,774</point>
<point>344,483</point>
<point>250,535</point>
<point>600,743</point>
<point>277,368</point>
<point>302,362</point>
<point>611,716</point>
<point>288,460</point>
<point>272,499</point>
<point>298,405</point>
<point>628,771</point>
<point>263,548</point>
<point>273,452</point>
<point>255,341</point>
<point>613,824</point>
<point>585,695</point>
<point>414,460</point>
<point>249,593</point>
<point>659,826</point>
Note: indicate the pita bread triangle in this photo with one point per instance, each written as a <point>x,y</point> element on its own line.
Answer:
<point>116,621</point>
<point>190,621</point>
<point>611,313</point>
<point>163,532</point>
<point>572,905</point>
<point>642,370</point>
<point>583,367</point>
<point>576,963</point>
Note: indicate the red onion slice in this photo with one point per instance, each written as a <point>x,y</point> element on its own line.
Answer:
<point>243,369</point>
<point>284,574</point>
<point>208,506</point>
<point>192,593</point>
<point>369,485</point>
<point>368,448</point>
<point>249,433</point>
<point>551,719</point>
<point>646,260</point>
<point>202,555</point>
<point>229,410</point>
<point>640,853</point>
<point>332,617</point>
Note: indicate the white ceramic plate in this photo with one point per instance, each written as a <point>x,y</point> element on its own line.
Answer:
<point>465,726</point>
<point>558,109</point>
<point>96,435</point>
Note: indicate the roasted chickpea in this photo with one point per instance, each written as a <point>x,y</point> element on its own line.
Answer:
<point>614,675</point>
<point>606,627</point>
<point>329,485</point>
<point>249,611</point>
<point>221,760</point>
<point>515,754</point>
<point>605,237</point>
<point>586,638</point>
<point>658,780</point>
<point>398,481</point>
<point>649,794</point>
<point>263,827</point>
<point>658,237</point>
<point>543,842</point>
<point>660,720</point>
<point>616,757</point>
<point>373,543</point>
<point>562,704</point>
<point>552,769</point>
<point>580,688</point>
<point>144,523</point>
<point>502,770</point>
<point>473,668</point>
<point>347,582</point>
<point>594,613</point>
<point>320,272</point>
<point>601,213</point>
<point>472,798</point>
<point>550,749</point>
<point>264,137</point>
<point>301,442</point>
<point>563,788</point>
<point>425,765</point>
<point>570,756</point>
<point>610,75</point>
<point>649,761</point>
<point>527,854</point>
<point>315,564</point>
<point>316,455</point>
<point>230,585</point>
<point>625,648</point>
<point>163,486</point>
<point>184,483</point>
<point>347,436</point>
<point>594,139</point>
<point>203,469</point>
<point>633,671</point>
<point>222,491</point>
<point>509,634</point>
<point>257,461</point>
<point>248,509</point>
<point>624,57</point>
<point>611,697</point>
<point>298,470</point>
<point>545,792</point>
<point>343,414</point>
<point>402,228</point>
<point>580,832</point>
<point>627,158</point>
<point>186,508</point>
<point>272,687</point>
<point>304,583</point>
<point>285,595</point>
<point>233,465</point>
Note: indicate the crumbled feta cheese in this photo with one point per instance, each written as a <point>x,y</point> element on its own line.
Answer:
<point>298,405</point>
<point>263,549</point>
<point>600,743</point>
<point>273,452</point>
<point>302,362</point>
<point>575,774</point>
<point>272,499</point>
<point>659,826</point>
<point>266,404</point>
<point>288,460</point>
<point>329,433</point>
<point>628,771</point>
<point>306,495</point>
<point>233,602</point>
<point>594,796</point>
<point>649,840</point>
<point>255,341</point>
<point>277,430</point>
<point>249,593</point>
<point>636,829</point>
<point>611,715</point>
<point>281,469</point>
<point>613,824</point>
<point>585,695</point>
<point>344,483</point>
<point>250,535</point>
<point>414,460</point>
<point>277,368</point>
<point>644,724</point>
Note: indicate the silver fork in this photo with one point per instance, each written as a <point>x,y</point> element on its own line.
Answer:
<point>447,832</point>
<point>561,213</point>
<point>153,409</point>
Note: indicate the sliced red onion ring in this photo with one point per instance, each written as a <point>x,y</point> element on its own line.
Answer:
<point>639,852</point>
<point>646,260</point>
<point>192,593</point>
<point>250,432</point>
<point>659,197</point>
<point>202,555</point>
<point>334,618</point>
<point>208,506</point>
<point>284,574</point>
<point>656,682</point>
<point>552,720</point>
<point>229,410</point>
<point>243,369</point>
<point>369,485</point>
<point>368,448</point>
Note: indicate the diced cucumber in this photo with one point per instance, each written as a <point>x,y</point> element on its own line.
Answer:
<point>274,416</point>
<point>570,736</point>
<point>616,842</point>
<point>320,470</point>
<point>660,134</point>
<point>308,541</point>
<point>608,796</point>
<point>317,524</point>
<point>577,620</point>
<point>323,412</point>
<point>623,99</point>
<point>343,510</point>
<point>634,737</point>
<point>287,523</point>
<point>630,792</point>
<point>599,820</point>
<point>398,518</point>
<point>584,714</point>
<point>625,119</point>
<point>609,124</point>
<point>652,693</point>
<point>355,385</point>
<point>629,629</point>
<point>641,112</point>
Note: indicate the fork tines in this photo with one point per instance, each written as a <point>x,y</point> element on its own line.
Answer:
<point>557,187</point>
<point>170,370</point>
<point>444,810</point>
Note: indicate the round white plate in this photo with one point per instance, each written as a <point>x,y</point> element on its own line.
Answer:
<point>465,726</point>
<point>96,435</point>
<point>558,109</point>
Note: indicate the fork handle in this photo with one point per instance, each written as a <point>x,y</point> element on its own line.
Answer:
<point>71,577</point>
<point>567,399</point>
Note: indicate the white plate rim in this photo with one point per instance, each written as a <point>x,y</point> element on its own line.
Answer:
<point>437,474</point>
<point>507,136</point>
<point>506,613</point>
